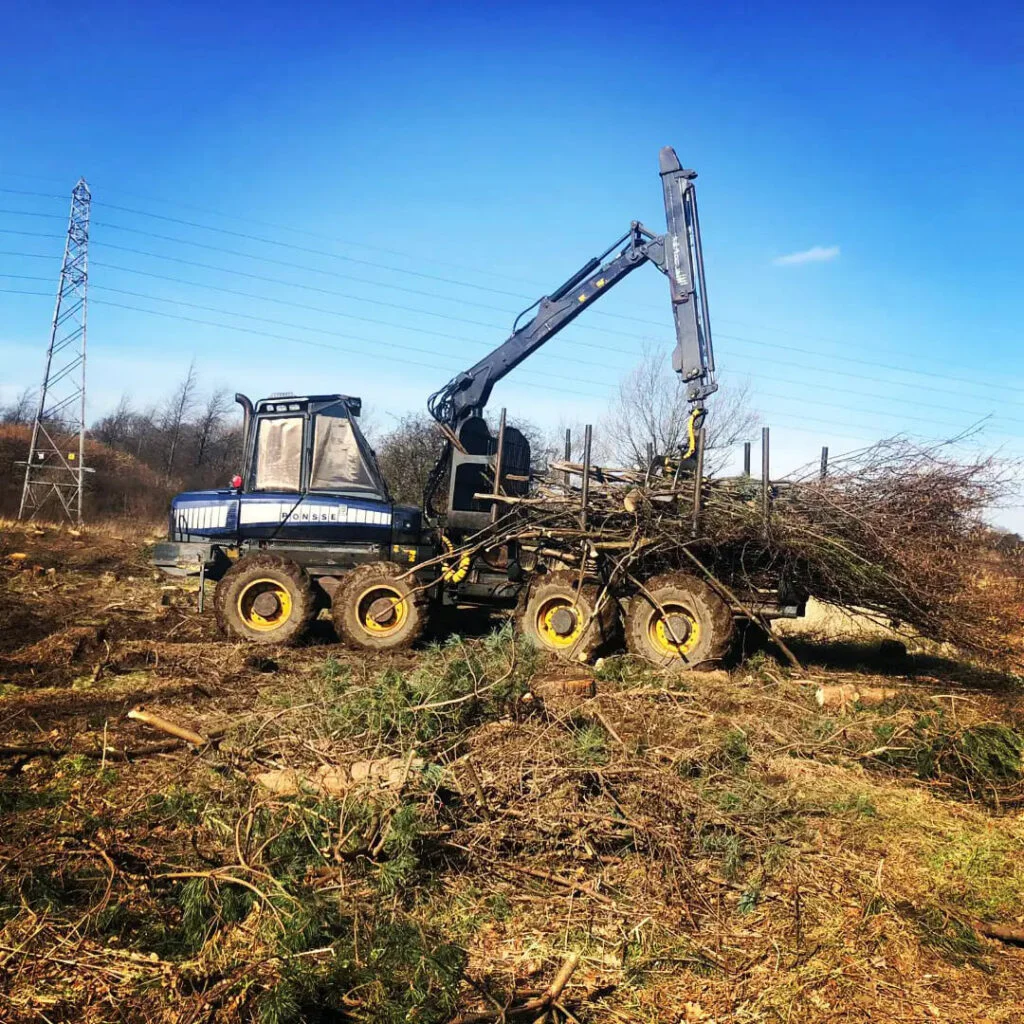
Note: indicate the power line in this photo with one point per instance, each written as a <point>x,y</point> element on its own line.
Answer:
<point>839,430</point>
<point>29,234</point>
<point>334,255</point>
<point>306,327</point>
<point>297,266</point>
<point>329,273</point>
<point>25,192</point>
<point>312,344</point>
<point>300,248</point>
<point>396,345</point>
<point>759,376</point>
<point>312,270</point>
<point>296,305</point>
<point>871,362</point>
<point>282,323</point>
<point>330,312</point>
<point>277,227</point>
<point>402,308</point>
<point>888,415</point>
<point>873,380</point>
<point>588,345</point>
<point>31,255</point>
<point>854,391</point>
<point>357,298</point>
<point>318,309</point>
<point>317,330</point>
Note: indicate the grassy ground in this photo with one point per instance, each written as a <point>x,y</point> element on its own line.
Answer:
<point>710,848</point>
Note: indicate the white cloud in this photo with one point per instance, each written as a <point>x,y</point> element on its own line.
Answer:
<point>816,254</point>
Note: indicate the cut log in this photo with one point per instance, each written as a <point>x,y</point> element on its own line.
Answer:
<point>388,771</point>
<point>336,780</point>
<point>284,782</point>
<point>581,688</point>
<point>845,695</point>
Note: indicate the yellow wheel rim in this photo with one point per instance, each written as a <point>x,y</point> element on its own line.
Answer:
<point>661,637</point>
<point>269,620</point>
<point>545,622</point>
<point>382,610</point>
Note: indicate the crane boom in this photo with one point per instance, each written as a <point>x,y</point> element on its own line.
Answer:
<point>677,253</point>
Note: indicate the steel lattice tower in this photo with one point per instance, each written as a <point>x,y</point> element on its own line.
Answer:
<point>54,469</point>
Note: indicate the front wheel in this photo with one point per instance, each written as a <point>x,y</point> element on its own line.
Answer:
<point>265,599</point>
<point>680,623</point>
<point>379,607</point>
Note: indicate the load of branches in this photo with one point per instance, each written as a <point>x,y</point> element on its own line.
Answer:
<point>894,530</point>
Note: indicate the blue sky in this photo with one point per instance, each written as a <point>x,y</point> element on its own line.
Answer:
<point>431,169</point>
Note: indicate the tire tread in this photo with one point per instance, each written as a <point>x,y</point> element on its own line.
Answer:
<point>263,561</point>
<point>722,623</point>
<point>356,580</point>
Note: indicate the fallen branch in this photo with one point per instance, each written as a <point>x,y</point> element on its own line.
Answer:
<point>544,876</point>
<point>478,788</point>
<point>1002,932</point>
<point>537,1006</point>
<point>163,725</point>
<point>608,727</point>
<point>98,753</point>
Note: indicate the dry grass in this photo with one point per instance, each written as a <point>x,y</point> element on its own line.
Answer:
<point>713,848</point>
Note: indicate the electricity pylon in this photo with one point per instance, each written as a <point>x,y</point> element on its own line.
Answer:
<point>54,469</point>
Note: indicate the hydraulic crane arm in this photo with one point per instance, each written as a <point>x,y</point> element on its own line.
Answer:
<point>683,265</point>
<point>677,254</point>
<point>467,394</point>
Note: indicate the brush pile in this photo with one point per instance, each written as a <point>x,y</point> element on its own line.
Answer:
<point>894,530</point>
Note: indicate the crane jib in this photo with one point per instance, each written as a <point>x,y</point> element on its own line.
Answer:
<point>677,254</point>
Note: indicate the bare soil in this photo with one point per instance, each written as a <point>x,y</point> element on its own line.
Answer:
<point>711,847</point>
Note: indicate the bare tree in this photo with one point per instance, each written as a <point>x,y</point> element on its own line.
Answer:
<point>115,428</point>
<point>21,409</point>
<point>209,423</point>
<point>178,407</point>
<point>407,453</point>
<point>551,445</point>
<point>651,409</point>
<point>143,433</point>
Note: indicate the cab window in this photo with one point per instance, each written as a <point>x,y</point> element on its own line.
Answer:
<point>338,463</point>
<point>279,454</point>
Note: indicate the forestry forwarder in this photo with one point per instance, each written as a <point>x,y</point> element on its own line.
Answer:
<point>310,523</point>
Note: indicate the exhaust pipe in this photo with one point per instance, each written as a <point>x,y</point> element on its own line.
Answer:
<point>246,405</point>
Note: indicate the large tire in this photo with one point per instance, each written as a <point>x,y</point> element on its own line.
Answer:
<point>265,599</point>
<point>698,629</point>
<point>374,609</point>
<point>557,616</point>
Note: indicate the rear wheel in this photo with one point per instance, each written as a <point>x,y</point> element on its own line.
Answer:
<point>559,617</point>
<point>682,624</point>
<point>265,599</point>
<point>375,609</point>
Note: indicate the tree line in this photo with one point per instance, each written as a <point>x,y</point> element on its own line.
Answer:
<point>192,439</point>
